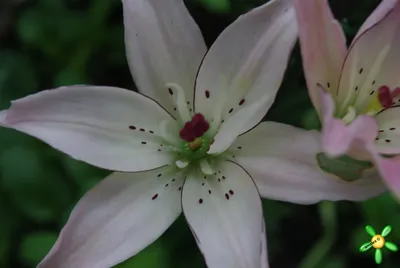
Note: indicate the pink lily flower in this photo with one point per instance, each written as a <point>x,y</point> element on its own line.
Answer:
<point>356,91</point>
<point>191,141</point>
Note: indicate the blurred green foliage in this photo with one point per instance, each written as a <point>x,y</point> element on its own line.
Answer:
<point>47,43</point>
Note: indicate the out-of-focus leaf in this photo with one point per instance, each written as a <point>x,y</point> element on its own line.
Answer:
<point>17,77</point>
<point>311,120</point>
<point>217,6</point>
<point>8,225</point>
<point>35,186</point>
<point>154,256</point>
<point>345,167</point>
<point>35,246</point>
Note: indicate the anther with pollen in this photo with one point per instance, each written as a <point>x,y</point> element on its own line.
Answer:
<point>194,128</point>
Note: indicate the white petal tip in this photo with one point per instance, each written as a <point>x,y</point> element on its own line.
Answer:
<point>181,164</point>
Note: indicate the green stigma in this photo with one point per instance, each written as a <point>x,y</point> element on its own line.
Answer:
<point>197,149</point>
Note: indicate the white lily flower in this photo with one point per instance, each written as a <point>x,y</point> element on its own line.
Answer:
<point>189,142</point>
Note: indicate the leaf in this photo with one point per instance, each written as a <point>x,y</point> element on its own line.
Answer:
<point>35,246</point>
<point>34,184</point>
<point>345,167</point>
<point>217,6</point>
<point>154,256</point>
<point>17,77</point>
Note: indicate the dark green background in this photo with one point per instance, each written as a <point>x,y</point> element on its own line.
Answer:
<point>48,43</point>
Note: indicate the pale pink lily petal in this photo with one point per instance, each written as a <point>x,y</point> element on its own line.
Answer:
<point>388,140</point>
<point>388,167</point>
<point>337,137</point>
<point>246,62</point>
<point>323,45</point>
<point>2,117</point>
<point>373,61</point>
<point>116,219</point>
<point>164,45</point>
<point>377,15</point>
<point>282,161</point>
<point>264,248</point>
<point>111,128</point>
<point>226,218</point>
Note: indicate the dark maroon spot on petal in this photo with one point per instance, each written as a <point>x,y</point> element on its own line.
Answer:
<point>173,179</point>
<point>170,91</point>
<point>159,150</point>
<point>381,130</point>
<point>151,131</point>
<point>154,196</point>
<point>223,177</point>
<point>143,142</point>
<point>372,92</point>
<point>215,173</point>
<point>233,156</point>
<point>231,192</point>
<point>132,127</point>
<point>202,184</point>
<point>200,201</point>
<point>373,82</point>
<point>175,109</point>
<point>180,188</point>
<point>356,88</point>
<point>161,145</point>
<point>392,128</point>
<point>205,177</point>
<point>209,191</point>
<point>385,97</point>
<point>241,102</point>
<point>361,70</point>
<point>166,185</point>
<point>388,141</point>
<point>240,147</point>
<point>142,129</point>
<point>219,171</point>
<point>222,121</point>
<point>231,110</point>
<point>159,175</point>
<point>207,94</point>
<point>227,196</point>
<point>376,139</point>
<point>219,180</point>
<point>328,85</point>
<point>188,102</point>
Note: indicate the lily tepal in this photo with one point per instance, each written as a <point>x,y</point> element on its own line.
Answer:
<point>191,141</point>
<point>355,91</point>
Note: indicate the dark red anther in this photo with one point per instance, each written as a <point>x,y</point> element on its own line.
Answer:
<point>396,92</point>
<point>199,125</point>
<point>195,128</point>
<point>385,96</point>
<point>186,132</point>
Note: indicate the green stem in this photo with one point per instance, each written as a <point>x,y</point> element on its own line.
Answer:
<point>323,246</point>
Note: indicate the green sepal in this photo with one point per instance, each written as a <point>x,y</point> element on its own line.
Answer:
<point>345,167</point>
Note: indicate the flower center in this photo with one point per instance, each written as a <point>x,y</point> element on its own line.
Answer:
<point>381,99</point>
<point>197,142</point>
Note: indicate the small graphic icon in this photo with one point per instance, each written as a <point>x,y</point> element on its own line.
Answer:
<point>378,242</point>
